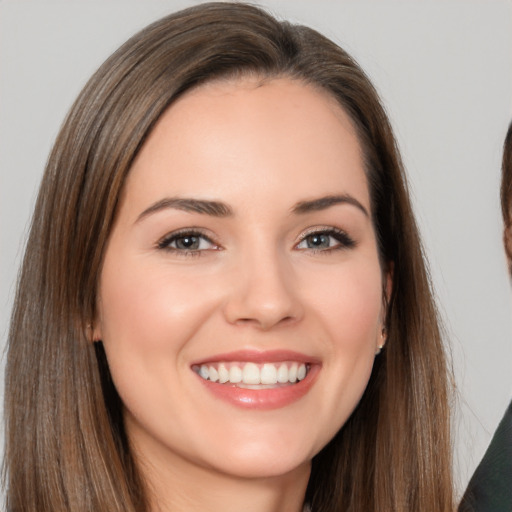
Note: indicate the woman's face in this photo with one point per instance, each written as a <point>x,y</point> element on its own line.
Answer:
<point>241,296</point>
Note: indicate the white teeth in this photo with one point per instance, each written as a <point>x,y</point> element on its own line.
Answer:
<point>282,374</point>
<point>292,373</point>
<point>214,374</point>
<point>203,371</point>
<point>235,375</point>
<point>223,374</point>
<point>251,374</point>
<point>268,374</point>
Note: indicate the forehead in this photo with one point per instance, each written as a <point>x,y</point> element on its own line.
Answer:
<point>224,137</point>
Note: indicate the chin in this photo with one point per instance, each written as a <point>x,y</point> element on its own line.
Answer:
<point>264,459</point>
<point>264,469</point>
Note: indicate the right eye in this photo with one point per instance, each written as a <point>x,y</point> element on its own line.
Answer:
<point>187,242</point>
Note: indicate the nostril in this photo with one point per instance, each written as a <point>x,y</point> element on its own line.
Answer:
<point>264,300</point>
<point>265,323</point>
<point>245,320</point>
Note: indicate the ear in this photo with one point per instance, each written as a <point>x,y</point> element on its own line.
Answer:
<point>96,331</point>
<point>94,327</point>
<point>93,331</point>
<point>388,282</point>
<point>387,288</point>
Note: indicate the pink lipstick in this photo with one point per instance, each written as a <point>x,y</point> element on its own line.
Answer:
<point>258,380</point>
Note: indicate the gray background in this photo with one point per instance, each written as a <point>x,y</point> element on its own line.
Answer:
<point>444,70</point>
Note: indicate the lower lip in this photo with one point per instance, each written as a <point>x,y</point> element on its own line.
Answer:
<point>263,399</point>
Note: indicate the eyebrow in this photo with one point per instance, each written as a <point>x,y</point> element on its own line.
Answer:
<point>213,208</point>
<point>220,209</point>
<point>325,202</point>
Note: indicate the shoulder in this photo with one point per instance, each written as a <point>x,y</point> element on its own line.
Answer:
<point>490,488</point>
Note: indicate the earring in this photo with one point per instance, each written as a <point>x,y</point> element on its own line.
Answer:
<point>383,338</point>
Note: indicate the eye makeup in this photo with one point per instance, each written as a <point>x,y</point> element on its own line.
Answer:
<point>186,242</point>
<point>325,239</point>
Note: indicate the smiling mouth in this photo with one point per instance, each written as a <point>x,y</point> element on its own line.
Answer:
<point>251,375</point>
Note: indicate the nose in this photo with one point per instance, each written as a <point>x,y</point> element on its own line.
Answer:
<point>263,293</point>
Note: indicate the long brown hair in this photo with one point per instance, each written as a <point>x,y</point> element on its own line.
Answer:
<point>506,195</point>
<point>66,448</point>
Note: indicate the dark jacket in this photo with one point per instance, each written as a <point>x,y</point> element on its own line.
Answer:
<point>490,488</point>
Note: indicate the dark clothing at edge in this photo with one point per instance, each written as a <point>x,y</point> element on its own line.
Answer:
<point>490,488</point>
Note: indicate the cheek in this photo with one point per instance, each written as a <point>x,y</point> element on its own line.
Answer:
<point>145,309</point>
<point>348,300</point>
<point>148,314</point>
<point>348,309</point>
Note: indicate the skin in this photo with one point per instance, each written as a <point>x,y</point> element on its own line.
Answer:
<point>255,282</point>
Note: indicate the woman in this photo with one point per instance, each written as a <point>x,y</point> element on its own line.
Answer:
<point>223,302</point>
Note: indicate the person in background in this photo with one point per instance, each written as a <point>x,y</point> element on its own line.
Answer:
<point>490,488</point>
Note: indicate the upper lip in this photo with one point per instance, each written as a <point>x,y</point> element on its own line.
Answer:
<point>258,356</point>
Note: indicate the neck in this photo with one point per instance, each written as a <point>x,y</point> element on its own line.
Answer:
<point>181,487</point>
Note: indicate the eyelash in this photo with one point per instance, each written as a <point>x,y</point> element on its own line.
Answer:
<point>343,239</point>
<point>165,243</point>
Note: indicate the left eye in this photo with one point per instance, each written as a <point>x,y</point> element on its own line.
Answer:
<point>184,242</point>
<point>324,240</point>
